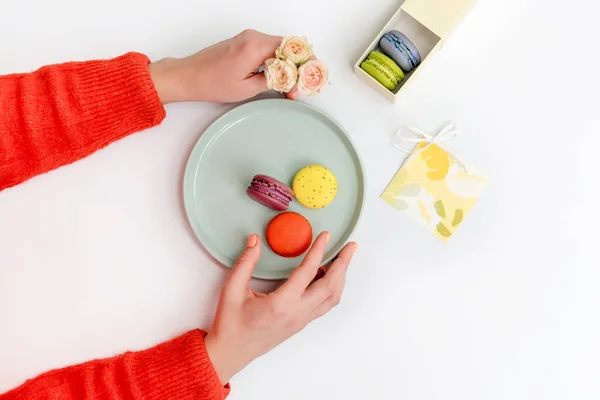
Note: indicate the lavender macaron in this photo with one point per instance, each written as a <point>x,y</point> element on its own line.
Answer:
<point>400,49</point>
<point>270,192</point>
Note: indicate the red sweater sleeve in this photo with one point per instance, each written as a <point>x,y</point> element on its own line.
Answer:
<point>62,113</point>
<point>178,369</point>
<point>58,115</point>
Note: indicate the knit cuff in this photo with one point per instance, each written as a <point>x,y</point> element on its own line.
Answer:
<point>115,97</point>
<point>178,369</point>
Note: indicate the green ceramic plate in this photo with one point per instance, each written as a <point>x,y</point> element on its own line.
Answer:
<point>275,137</point>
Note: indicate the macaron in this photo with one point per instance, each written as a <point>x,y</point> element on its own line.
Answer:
<point>315,186</point>
<point>383,69</point>
<point>400,49</point>
<point>289,234</point>
<point>270,192</point>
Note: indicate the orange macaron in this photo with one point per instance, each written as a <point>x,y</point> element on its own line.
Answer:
<point>289,234</point>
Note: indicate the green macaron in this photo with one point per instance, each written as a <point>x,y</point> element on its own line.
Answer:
<point>383,69</point>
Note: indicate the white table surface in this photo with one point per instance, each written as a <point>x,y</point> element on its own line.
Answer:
<point>97,258</point>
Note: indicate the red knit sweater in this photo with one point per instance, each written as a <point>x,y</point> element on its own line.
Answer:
<point>58,115</point>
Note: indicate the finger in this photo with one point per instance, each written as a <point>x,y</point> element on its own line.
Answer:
<point>304,274</point>
<point>241,272</point>
<point>257,83</point>
<point>326,305</point>
<point>266,50</point>
<point>330,287</point>
<point>323,270</point>
<point>260,45</point>
<point>292,93</point>
<point>269,43</point>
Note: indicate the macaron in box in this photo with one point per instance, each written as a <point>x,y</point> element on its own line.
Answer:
<point>398,56</point>
<point>383,69</point>
<point>411,37</point>
<point>400,49</point>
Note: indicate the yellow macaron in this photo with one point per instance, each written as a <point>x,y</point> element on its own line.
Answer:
<point>315,186</point>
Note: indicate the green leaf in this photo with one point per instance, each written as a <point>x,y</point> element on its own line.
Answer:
<point>439,208</point>
<point>458,217</point>
<point>442,230</point>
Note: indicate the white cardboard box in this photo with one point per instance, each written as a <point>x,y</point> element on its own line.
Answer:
<point>427,23</point>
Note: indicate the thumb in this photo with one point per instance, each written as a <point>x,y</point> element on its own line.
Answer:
<point>245,264</point>
<point>258,84</point>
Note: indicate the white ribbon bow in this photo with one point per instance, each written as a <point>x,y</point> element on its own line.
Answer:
<point>450,131</point>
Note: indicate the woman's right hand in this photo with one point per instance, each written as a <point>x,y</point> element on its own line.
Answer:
<point>223,73</point>
<point>249,324</point>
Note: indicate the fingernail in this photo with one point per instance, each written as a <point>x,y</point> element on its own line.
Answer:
<point>327,237</point>
<point>294,95</point>
<point>252,240</point>
<point>354,248</point>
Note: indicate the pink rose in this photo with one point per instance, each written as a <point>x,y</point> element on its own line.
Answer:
<point>294,48</point>
<point>313,77</point>
<point>281,74</point>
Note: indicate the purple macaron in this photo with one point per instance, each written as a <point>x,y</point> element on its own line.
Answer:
<point>270,192</point>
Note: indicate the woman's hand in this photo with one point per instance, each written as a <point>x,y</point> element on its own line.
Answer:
<point>224,73</point>
<point>249,324</point>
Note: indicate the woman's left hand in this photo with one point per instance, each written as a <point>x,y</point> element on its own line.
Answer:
<point>249,324</point>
